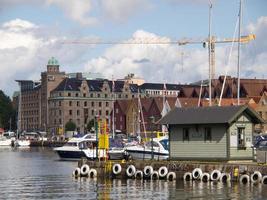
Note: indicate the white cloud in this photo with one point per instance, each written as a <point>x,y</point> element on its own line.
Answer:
<point>121,10</point>
<point>25,50</point>
<point>164,63</point>
<point>87,12</point>
<point>151,61</point>
<point>77,10</point>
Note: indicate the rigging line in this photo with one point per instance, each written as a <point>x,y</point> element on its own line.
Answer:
<point>227,65</point>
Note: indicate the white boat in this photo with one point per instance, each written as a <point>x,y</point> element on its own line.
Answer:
<point>5,141</point>
<point>117,153</point>
<point>76,148</point>
<point>22,143</point>
<point>160,150</point>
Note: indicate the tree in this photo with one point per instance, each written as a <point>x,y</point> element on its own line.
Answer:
<point>70,126</point>
<point>90,125</point>
<point>7,112</point>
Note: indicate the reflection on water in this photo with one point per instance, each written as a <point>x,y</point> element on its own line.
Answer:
<point>37,173</point>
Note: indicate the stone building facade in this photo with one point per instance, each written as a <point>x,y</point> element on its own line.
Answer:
<point>80,101</point>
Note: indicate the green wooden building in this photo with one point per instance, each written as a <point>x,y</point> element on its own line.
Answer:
<point>211,133</point>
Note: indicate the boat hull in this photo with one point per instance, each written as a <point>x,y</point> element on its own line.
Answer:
<point>6,142</point>
<point>147,155</point>
<point>70,155</point>
<point>117,154</point>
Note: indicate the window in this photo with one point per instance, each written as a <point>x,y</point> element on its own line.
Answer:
<point>59,103</point>
<point>92,104</point>
<point>76,94</point>
<point>106,96</point>
<point>106,104</point>
<point>106,112</point>
<point>59,112</point>
<point>93,112</point>
<point>241,137</point>
<point>100,113</point>
<point>207,135</point>
<point>70,112</point>
<point>78,103</point>
<point>69,94</point>
<point>100,104</point>
<point>185,134</point>
<point>85,104</point>
<point>70,103</point>
<point>78,112</point>
<point>84,94</point>
<point>98,95</point>
<point>91,95</point>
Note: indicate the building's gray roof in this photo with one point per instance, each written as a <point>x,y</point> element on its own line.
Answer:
<point>208,115</point>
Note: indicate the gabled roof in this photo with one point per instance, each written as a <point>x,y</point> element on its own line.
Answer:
<point>123,104</point>
<point>69,84</point>
<point>160,86</point>
<point>208,115</point>
<point>74,84</point>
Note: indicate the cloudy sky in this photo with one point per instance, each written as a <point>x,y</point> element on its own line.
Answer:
<point>32,31</point>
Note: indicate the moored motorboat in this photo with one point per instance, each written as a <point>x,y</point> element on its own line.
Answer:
<point>76,148</point>
<point>5,141</point>
<point>22,143</point>
<point>158,149</point>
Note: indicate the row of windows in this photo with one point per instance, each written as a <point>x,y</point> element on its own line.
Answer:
<point>161,92</point>
<point>78,112</point>
<point>29,112</point>
<point>85,104</point>
<point>26,105</point>
<point>94,95</point>
<point>29,97</point>
<point>29,120</point>
<point>207,134</point>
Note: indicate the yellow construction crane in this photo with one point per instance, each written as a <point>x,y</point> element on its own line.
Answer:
<point>211,45</point>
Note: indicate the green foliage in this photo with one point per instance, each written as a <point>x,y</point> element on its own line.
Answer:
<point>7,112</point>
<point>90,125</point>
<point>70,126</point>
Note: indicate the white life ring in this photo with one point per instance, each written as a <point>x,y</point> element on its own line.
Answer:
<point>92,173</point>
<point>205,177</point>
<point>76,172</point>
<point>244,179</point>
<point>148,170</point>
<point>188,176</point>
<point>163,171</point>
<point>225,177</point>
<point>85,170</point>
<point>139,174</point>
<point>215,175</point>
<point>116,169</point>
<point>154,175</point>
<point>256,177</point>
<point>196,173</point>
<point>171,176</point>
<point>130,171</point>
<point>264,179</point>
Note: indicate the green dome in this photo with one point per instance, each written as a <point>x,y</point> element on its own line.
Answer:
<point>52,61</point>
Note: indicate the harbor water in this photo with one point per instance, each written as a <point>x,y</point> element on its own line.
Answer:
<point>37,173</point>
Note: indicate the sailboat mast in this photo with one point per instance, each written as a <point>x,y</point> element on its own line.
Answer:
<point>113,113</point>
<point>210,9</point>
<point>239,54</point>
